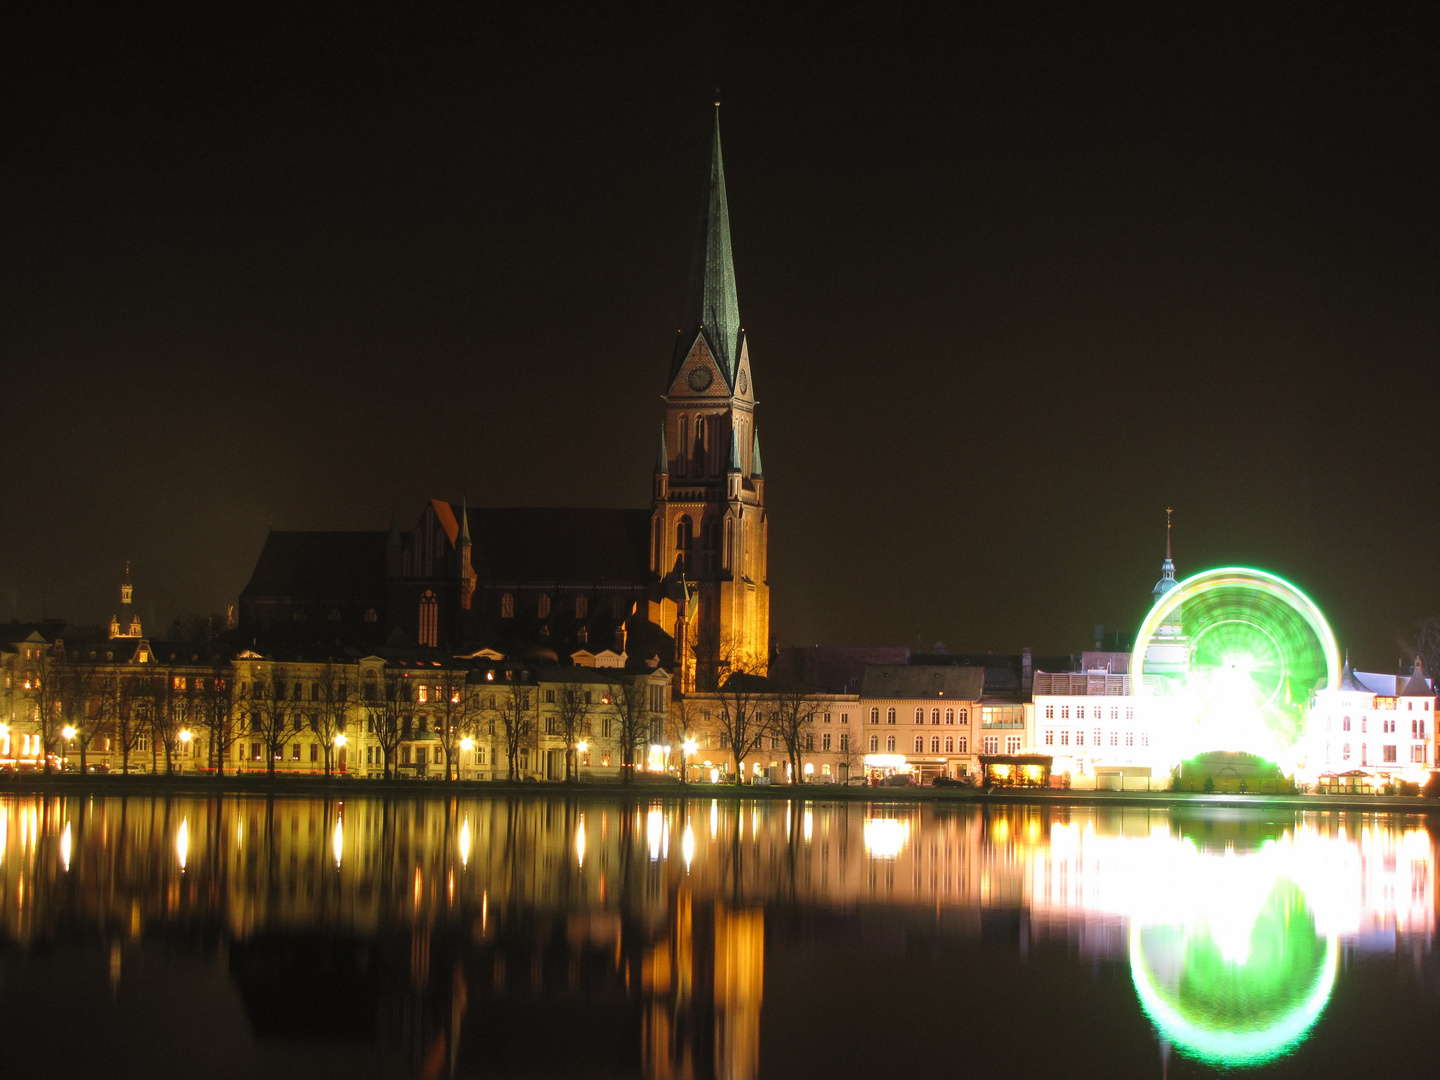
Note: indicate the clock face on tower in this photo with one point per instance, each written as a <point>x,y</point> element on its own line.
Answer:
<point>701,378</point>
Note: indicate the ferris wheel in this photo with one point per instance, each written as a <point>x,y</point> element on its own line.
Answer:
<point>1237,654</point>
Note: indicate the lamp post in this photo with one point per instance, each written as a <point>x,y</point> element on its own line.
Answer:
<point>185,737</point>
<point>67,733</point>
<point>688,747</point>
<point>466,745</point>
<point>339,742</point>
<point>581,749</point>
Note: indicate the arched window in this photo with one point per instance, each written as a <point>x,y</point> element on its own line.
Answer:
<point>919,716</point>
<point>964,716</point>
<point>874,716</point>
<point>429,619</point>
<point>890,715</point>
<point>919,744</point>
<point>934,744</point>
<point>371,615</point>
<point>934,716</point>
<point>949,716</point>
<point>542,606</point>
<point>890,744</point>
<point>699,446</point>
<point>874,744</point>
<point>507,605</point>
<point>949,744</point>
<point>684,530</point>
<point>1345,726</point>
<point>1345,751</point>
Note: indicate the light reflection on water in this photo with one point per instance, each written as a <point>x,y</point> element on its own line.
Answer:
<point>455,931</point>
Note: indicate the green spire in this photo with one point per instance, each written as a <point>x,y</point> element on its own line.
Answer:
<point>662,460</point>
<point>756,469</point>
<point>464,525</point>
<point>711,306</point>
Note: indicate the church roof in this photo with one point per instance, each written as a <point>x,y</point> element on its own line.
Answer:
<point>333,565</point>
<point>560,544</point>
<point>711,305</point>
<point>916,681</point>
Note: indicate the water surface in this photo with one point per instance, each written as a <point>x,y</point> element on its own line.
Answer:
<point>535,936</point>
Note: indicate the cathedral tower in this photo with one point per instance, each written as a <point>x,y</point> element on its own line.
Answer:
<point>708,531</point>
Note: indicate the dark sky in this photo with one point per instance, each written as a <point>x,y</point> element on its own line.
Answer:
<point>1013,283</point>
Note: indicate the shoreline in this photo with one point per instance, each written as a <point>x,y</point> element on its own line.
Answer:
<point>195,785</point>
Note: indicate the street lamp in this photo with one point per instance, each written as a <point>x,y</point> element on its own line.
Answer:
<point>688,747</point>
<point>67,733</point>
<point>185,737</point>
<point>340,739</point>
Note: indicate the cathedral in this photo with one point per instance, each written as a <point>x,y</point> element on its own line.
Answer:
<point>681,585</point>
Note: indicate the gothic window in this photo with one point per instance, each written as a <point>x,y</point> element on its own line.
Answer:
<point>542,606</point>
<point>429,619</point>
<point>684,530</point>
<point>507,605</point>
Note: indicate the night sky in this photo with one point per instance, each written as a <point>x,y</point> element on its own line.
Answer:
<point>1013,283</point>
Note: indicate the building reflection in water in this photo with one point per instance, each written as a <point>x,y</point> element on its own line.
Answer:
<point>551,935</point>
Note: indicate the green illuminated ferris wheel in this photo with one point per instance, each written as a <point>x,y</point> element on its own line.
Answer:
<point>1236,654</point>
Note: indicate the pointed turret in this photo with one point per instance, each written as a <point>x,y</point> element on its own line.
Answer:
<point>1417,685</point>
<point>711,305</point>
<point>662,460</point>
<point>1167,568</point>
<point>466,568</point>
<point>756,469</point>
<point>1348,682</point>
<point>127,623</point>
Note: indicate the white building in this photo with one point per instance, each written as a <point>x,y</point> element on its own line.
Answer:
<point>1371,731</point>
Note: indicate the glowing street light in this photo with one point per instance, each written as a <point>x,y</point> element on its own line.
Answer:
<point>688,747</point>
<point>68,732</point>
<point>340,738</point>
<point>467,743</point>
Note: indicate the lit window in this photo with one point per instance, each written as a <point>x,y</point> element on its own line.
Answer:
<point>825,741</point>
<point>991,745</point>
<point>1388,754</point>
<point>507,605</point>
<point>371,615</point>
<point>429,620</point>
<point>422,693</point>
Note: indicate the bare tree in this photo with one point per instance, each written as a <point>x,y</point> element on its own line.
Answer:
<point>791,718</point>
<point>101,710</point>
<point>215,713</point>
<point>516,710</point>
<point>331,712</point>
<point>132,723</point>
<point>455,707</point>
<point>572,714</point>
<point>628,695</point>
<point>741,716</point>
<point>166,719</point>
<point>268,714</point>
<point>387,712</point>
<point>1425,643</point>
<point>55,699</point>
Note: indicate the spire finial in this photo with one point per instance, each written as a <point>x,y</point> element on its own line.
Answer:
<point>1168,511</point>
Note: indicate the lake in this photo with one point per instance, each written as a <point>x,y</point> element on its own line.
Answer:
<point>549,936</point>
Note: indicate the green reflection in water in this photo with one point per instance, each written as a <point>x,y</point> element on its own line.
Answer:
<point>1236,987</point>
